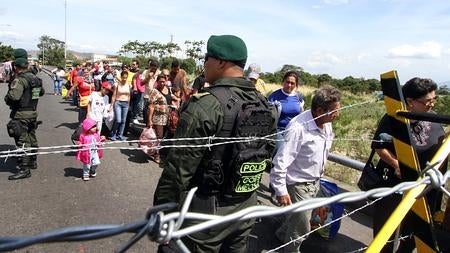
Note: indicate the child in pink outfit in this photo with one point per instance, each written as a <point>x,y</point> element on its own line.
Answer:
<point>89,152</point>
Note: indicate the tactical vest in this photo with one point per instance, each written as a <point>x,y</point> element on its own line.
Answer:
<point>31,93</point>
<point>234,171</point>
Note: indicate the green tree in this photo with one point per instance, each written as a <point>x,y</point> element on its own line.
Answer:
<point>51,51</point>
<point>6,52</point>
<point>189,65</point>
<point>288,67</point>
<point>324,79</point>
<point>308,79</point>
<point>194,49</point>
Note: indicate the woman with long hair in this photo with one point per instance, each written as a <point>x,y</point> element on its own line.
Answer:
<point>120,102</point>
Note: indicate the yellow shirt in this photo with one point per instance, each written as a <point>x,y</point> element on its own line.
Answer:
<point>260,86</point>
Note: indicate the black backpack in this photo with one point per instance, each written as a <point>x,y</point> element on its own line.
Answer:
<point>234,170</point>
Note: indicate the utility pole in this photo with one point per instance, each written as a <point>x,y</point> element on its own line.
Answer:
<point>65,32</point>
<point>171,38</point>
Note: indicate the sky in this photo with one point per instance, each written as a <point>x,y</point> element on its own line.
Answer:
<point>359,38</point>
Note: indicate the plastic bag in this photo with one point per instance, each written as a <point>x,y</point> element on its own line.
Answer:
<point>326,214</point>
<point>148,141</point>
<point>108,117</point>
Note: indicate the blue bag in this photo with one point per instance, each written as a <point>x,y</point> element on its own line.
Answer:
<point>326,214</point>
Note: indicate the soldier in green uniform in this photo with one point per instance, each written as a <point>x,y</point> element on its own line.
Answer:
<point>209,168</point>
<point>22,98</point>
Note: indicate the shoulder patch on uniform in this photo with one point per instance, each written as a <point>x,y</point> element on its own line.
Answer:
<point>200,94</point>
<point>14,83</point>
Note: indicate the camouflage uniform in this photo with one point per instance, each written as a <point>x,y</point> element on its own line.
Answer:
<point>203,117</point>
<point>23,120</point>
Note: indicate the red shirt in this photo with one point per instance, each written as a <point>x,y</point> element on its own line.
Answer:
<point>84,88</point>
<point>73,75</point>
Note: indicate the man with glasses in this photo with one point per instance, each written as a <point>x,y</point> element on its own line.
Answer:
<point>300,162</point>
<point>426,137</point>
<point>204,116</point>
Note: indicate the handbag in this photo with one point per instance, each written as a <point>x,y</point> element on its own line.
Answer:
<point>329,213</point>
<point>84,101</point>
<point>370,178</point>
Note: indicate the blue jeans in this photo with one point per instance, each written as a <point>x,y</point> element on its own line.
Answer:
<point>136,104</point>
<point>88,169</point>
<point>120,117</point>
<point>57,85</point>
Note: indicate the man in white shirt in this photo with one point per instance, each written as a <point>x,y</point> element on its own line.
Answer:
<point>300,161</point>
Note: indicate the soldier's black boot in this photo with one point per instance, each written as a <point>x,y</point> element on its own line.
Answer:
<point>21,173</point>
<point>33,162</point>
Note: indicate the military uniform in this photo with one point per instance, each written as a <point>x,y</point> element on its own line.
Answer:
<point>204,117</point>
<point>207,114</point>
<point>22,97</point>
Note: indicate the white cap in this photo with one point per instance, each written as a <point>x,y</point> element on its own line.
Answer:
<point>253,75</point>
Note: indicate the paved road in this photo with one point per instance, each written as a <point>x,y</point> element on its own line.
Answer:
<point>56,197</point>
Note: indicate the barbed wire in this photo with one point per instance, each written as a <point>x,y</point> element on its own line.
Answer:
<point>165,227</point>
<point>27,151</point>
<point>402,238</point>
<point>369,203</point>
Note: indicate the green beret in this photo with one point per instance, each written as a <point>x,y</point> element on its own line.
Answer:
<point>227,48</point>
<point>21,62</point>
<point>20,53</point>
<point>21,57</point>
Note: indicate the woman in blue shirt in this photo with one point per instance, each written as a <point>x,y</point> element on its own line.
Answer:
<point>288,100</point>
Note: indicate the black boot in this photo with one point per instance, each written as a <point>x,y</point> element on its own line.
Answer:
<point>22,173</point>
<point>33,162</point>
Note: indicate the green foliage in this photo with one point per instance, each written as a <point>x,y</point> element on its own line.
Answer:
<point>442,105</point>
<point>308,79</point>
<point>6,52</point>
<point>166,62</point>
<point>356,125</point>
<point>51,51</point>
<point>189,65</point>
<point>194,49</point>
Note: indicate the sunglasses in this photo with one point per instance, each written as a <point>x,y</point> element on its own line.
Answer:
<point>427,102</point>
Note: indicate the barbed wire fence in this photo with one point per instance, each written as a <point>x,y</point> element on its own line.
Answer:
<point>162,228</point>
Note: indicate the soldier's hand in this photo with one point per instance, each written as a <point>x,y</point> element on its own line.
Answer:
<point>284,200</point>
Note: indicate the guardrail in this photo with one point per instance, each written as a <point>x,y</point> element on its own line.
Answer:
<point>345,161</point>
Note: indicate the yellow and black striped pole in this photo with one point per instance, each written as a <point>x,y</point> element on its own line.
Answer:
<point>410,169</point>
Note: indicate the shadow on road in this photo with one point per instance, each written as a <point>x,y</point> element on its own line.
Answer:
<point>10,164</point>
<point>135,156</point>
<point>66,102</point>
<point>361,218</point>
<point>72,109</point>
<point>72,125</point>
<point>263,238</point>
<point>73,172</point>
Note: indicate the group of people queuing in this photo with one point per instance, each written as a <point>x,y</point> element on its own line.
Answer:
<point>224,102</point>
<point>130,94</point>
<point>118,97</point>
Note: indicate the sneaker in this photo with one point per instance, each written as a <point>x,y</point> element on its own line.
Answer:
<point>93,174</point>
<point>113,138</point>
<point>86,178</point>
<point>136,121</point>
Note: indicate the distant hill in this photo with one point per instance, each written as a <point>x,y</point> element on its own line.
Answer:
<point>447,84</point>
<point>79,55</point>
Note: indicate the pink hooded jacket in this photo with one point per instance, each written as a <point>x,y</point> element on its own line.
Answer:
<point>86,138</point>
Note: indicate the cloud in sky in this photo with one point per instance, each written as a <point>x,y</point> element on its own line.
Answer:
<point>341,37</point>
<point>426,50</point>
<point>323,60</point>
